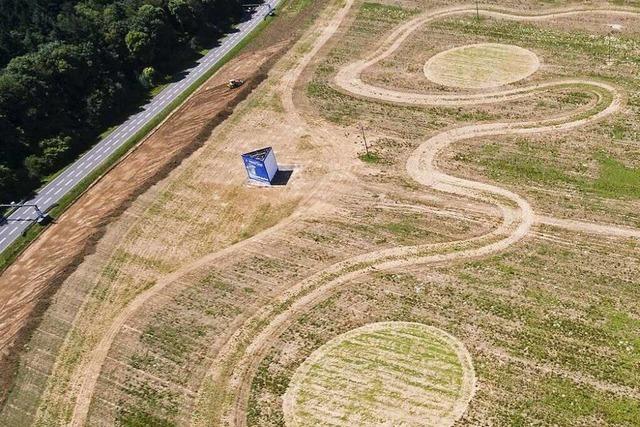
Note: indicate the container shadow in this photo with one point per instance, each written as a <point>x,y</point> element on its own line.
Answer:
<point>282,177</point>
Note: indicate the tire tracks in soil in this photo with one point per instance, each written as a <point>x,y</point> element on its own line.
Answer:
<point>242,352</point>
<point>312,202</point>
<point>238,361</point>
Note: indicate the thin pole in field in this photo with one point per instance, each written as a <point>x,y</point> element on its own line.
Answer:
<point>364,138</point>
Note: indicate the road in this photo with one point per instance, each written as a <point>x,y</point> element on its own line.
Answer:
<point>49,195</point>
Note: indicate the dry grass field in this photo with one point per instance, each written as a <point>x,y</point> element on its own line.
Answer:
<point>482,65</point>
<point>477,266</point>
<point>393,373</point>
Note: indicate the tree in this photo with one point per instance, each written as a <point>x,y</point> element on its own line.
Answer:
<point>53,153</point>
<point>8,184</point>
<point>12,148</point>
<point>67,67</point>
<point>152,21</point>
<point>147,77</point>
<point>140,46</point>
<point>182,13</point>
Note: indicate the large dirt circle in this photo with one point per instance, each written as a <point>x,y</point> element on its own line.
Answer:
<point>479,66</point>
<point>388,373</point>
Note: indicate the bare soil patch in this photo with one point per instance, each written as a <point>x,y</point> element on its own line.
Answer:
<point>26,286</point>
<point>204,310</point>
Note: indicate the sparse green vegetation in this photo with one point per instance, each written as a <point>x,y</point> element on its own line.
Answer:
<point>481,65</point>
<point>370,11</point>
<point>408,230</point>
<point>152,407</point>
<point>551,321</point>
<point>367,375</point>
<point>370,157</point>
<point>613,180</point>
<point>568,400</point>
<point>267,217</point>
<point>564,43</point>
<point>526,321</point>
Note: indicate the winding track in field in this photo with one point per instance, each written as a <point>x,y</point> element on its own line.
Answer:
<point>238,359</point>
<point>87,376</point>
<point>249,346</point>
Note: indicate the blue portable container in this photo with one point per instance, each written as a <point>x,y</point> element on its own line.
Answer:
<point>261,164</point>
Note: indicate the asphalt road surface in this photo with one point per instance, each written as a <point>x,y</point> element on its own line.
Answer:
<point>19,220</point>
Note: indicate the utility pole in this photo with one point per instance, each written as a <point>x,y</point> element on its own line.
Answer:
<point>364,138</point>
<point>613,29</point>
<point>477,10</point>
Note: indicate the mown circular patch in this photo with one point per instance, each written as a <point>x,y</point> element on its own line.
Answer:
<point>389,373</point>
<point>484,65</point>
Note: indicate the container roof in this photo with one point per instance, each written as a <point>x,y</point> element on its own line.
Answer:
<point>260,154</point>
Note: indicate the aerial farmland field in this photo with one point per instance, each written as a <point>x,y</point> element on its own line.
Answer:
<point>475,263</point>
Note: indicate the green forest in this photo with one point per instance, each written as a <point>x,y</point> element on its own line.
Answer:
<point>70,69</point>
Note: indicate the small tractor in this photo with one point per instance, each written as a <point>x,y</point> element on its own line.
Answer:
<point>235,83</point>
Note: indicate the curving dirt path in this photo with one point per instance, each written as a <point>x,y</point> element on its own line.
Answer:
<point>89,373</point>
<point>348,78</point>
<point>239,357</point>
<point>249,345</point>
<point>590,227</point>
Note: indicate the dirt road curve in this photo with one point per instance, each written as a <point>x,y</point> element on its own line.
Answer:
<point>516,225</point>
<point>91,372</point>
<point>234,366</point>
<point>36,273</point>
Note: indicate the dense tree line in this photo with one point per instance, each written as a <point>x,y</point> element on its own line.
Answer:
<point>70,68</point>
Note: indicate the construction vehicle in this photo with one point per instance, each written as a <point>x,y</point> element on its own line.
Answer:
<point>235,83</point>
